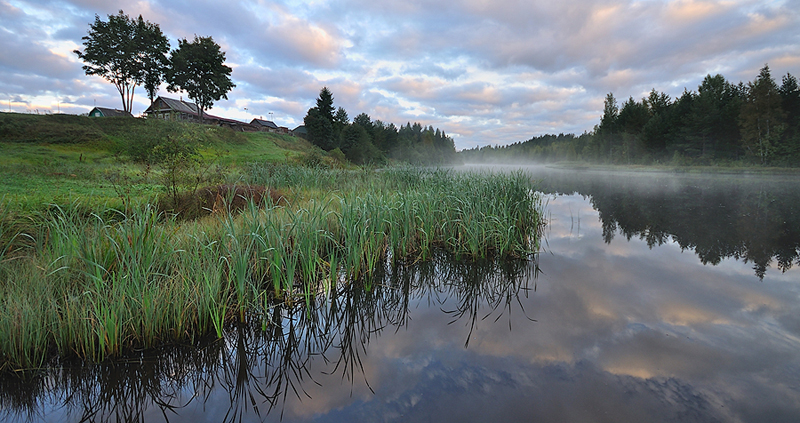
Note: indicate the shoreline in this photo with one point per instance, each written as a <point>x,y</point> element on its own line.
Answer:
<point>719,170</point>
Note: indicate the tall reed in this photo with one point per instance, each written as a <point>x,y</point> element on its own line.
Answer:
<point>98,286</point>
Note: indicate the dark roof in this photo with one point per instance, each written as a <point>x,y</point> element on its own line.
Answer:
<point>222,119</point>
<point>266,123</point>
<point>177,105</point>
<point>189,108</point>
<point>106,112</point>
<point>300,130</point>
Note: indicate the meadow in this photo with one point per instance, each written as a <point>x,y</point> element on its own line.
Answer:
<point>96,268</point>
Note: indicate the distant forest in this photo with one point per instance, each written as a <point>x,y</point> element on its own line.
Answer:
<point>364,141</point>
<point>753,123</point>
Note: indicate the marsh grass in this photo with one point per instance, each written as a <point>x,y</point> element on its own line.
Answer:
<point>97,286</point>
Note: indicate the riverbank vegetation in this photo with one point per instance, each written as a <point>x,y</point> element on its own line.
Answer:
<point>99,282</point>
<point>721,123</point>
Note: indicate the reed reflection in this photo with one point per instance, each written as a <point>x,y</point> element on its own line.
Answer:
<point>258,367</point>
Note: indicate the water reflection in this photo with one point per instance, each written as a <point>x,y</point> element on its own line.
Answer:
<point>751,218</point>
<point>252,373</point>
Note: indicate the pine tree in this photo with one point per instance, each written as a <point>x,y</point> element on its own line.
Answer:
<point>761,117</point>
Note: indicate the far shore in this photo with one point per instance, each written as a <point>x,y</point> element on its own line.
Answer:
<point>717,169</point>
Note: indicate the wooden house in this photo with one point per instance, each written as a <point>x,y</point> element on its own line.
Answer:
<point>269,126</point>
<point>179,110</point>
<point>171,109</point>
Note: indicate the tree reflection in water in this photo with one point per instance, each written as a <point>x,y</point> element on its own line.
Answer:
<point>750,218</point>
<point>257,370</point>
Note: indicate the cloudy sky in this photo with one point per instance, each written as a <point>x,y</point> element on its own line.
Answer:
<point>484,71</point>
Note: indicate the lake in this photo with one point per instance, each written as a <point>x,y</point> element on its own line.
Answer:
<point>656,297</point>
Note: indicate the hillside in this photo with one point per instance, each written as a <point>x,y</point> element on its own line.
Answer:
<point>78,161</point>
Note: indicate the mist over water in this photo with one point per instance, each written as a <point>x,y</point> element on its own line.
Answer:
<point>657,297</point>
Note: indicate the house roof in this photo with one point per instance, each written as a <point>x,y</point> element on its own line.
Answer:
<point>176,105</point>
<point>266,123</point>
<point>191,108</point>
<point>106,112</point>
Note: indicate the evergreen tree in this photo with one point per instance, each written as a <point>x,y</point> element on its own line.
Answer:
<point>608,122</point>
<point>712,124</point>
<point>790,102</point>
<point>325,104</point>
<point>357,146</point>
<point>364,120</point>
<point>654,132</point>
<point>761,118</point>
<point>341,117</point>
<point>319,129</point>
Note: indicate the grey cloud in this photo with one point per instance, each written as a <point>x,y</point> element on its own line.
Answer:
<point>284,82</point>
<point>491,72</point>
<point>267,33</point>
<point>24,56</point>
<point>598,36</point>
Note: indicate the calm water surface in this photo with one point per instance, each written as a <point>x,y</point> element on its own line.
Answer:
<point>656,298</point>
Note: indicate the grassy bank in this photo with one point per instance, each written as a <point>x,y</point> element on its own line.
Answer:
<point>98,285</point>
<point>90,164</point>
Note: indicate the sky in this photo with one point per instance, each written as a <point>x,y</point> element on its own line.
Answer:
<point>486,72</point>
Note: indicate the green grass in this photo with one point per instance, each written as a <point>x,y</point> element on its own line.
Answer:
<point>265,147</point>
<point>96,286</point>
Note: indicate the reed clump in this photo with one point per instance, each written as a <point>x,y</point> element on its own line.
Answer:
<point>97,287</point>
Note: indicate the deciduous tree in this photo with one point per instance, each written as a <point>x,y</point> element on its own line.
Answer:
<point>198,67</point>
<point>126,52</point>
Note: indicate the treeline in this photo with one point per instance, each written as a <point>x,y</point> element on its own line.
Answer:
<point>753,123</point>
<point>366,141</point>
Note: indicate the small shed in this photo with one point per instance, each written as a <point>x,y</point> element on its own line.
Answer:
<point>106,112</point>
<point>265,125</point>
<point>269,126</point>
<point>300,131</point>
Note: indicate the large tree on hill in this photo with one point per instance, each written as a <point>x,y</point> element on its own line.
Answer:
<point>126,52</point>
<point>155,65</point>
<point>198,67</point>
